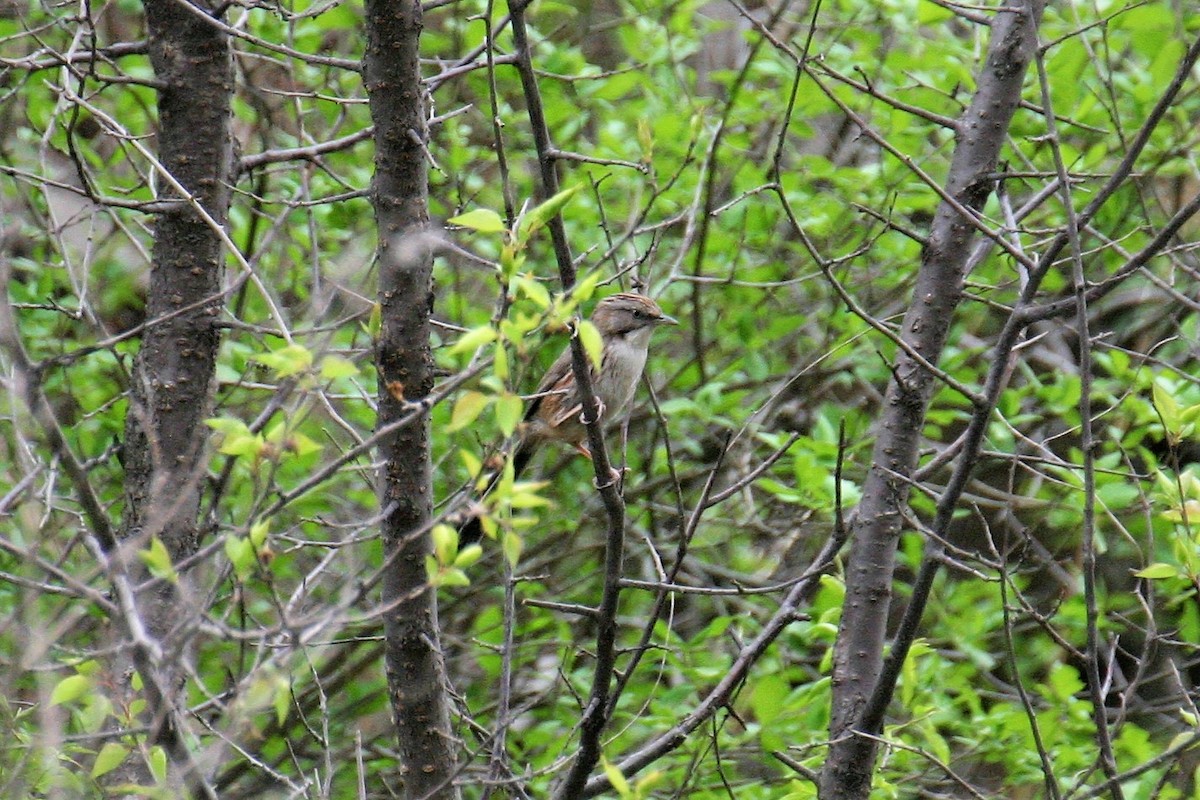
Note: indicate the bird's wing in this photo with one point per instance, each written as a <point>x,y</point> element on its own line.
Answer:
<point>555,383</point>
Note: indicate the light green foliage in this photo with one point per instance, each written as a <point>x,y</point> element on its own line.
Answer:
<point>672,184</point>
<point>158,560</point>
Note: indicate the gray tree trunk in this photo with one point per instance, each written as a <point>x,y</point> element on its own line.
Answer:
<point>859,652</point>
<point>415,670</point>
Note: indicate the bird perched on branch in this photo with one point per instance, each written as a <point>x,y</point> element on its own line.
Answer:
<point>625,322</point>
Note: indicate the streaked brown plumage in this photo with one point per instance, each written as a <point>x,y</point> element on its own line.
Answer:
<point>625,322</point>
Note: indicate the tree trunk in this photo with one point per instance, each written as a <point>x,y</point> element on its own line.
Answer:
<point>172,377</point>
<point>858,655</point>
<point>415,670</point>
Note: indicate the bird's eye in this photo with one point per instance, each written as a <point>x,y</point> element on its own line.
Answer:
<point>639,314</point>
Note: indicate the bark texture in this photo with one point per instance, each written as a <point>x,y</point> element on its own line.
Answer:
<point>172,379</point>
<point>173,372</point>
<point>415,670</point>
<point>858,654</point>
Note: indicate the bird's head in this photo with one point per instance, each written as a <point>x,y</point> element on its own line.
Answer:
<point>624,313</point>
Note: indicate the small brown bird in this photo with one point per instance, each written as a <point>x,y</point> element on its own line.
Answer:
<point>625,322</point>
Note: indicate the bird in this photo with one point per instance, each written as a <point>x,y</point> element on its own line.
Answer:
<point>625,321</point>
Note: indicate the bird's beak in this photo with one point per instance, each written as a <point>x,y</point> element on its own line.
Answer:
<point>666,319</point>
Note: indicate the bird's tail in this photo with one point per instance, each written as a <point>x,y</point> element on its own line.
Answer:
<point>471,531</point>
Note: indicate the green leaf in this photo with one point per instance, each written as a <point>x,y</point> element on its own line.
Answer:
<point>282,699</point>
<point>508,412</point>
<point>616,778</point>
<point>767,696</point>
<point>337,367</point>
<point>619,85</point>
<point>936,742</point>
<point>240,553</point>
<point>445,543</point>
<point>1168,409</point>
<point>785,493</point>
<point>1064,682</point>
<point>70,689</point>
<point>158,561</point>
<point>469,406</point>
<point>582,291</point>
<point>908,679</point>
<point>524,495</point>
<point>536,219</point>
<point>535,290</point>
<point>287,361</point>
<point>236,438</point>
<point>158,763</point>
<point>227,425</point>
<point>593,343</point>
<point>929,13</point>
<point>483,220</point>
<point>511,260</point>
<point>504,486</point>
<point>258,533</point>
<point>291,442</point>
<point>468,556</point>
<point>95,711</point>
<point>452,576</point>
<point>511,544</point>
<point>1117,495</point>
<point>1189,415</point>
<point>301,444</point>
<point>109,758</point>
<point>834,587</point>
<point>242,446</point>
<point>500,362</point>
<point>1158,571</point>
<point>471,462</point>
<point>473,339</point>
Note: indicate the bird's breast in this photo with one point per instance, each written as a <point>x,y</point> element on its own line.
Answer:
<point>622,364</point>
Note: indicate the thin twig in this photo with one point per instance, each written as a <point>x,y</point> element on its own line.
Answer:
<point>1087,441</point>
